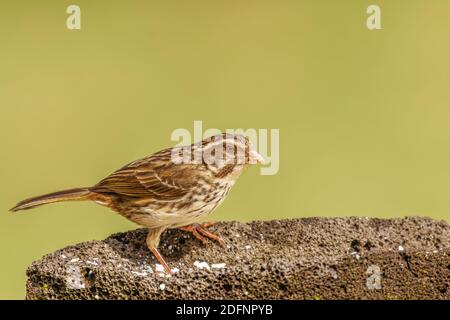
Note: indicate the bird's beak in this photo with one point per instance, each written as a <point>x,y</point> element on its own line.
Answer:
<point>255,157</point>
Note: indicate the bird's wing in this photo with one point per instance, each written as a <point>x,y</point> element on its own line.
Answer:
<point>154,177</point>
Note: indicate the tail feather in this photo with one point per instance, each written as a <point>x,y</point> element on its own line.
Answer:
<point>64,195</point>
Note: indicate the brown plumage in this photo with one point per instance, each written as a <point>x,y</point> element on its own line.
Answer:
<point>172,188</point>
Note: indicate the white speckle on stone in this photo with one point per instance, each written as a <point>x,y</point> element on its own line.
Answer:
<point>356,255</point>
<point>170,247</point>
<point>175,270</point>
<point>218,265</point>
<point>146,268</point>
<point>63,256</point>
<point>237,235</point>
<point>248,247</point>
<point>162,286</point>
<point>75,260</point>
<point>400,248</point>
<point>201,265</point>
<point>139,274</point>
<point>159,268</point>
<point>435,251</point>
<point>97,296</point>
<point>93,263</point>
<point>74,280</point>
<point>333,273</point>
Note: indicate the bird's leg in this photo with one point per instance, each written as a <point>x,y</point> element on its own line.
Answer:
<point>152,244</point>
<point>200,232</point>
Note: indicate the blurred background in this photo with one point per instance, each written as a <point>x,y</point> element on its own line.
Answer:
<point>363,115</point>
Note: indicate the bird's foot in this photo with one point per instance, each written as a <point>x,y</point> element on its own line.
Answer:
<point>199,231</point>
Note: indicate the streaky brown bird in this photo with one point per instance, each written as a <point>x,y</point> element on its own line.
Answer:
<point>173,188</point>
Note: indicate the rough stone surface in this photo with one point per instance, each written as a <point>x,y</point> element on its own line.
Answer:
<point>310,258</point>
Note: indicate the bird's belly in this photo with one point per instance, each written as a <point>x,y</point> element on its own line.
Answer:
<point>172,219</point>
<point>173,215</point>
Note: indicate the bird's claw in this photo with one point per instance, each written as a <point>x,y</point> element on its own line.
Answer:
<point>199,231</point>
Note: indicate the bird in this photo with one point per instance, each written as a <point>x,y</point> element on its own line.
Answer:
<point>172,188</point>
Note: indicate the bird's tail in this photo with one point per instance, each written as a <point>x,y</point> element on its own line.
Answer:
<point>64,195</point>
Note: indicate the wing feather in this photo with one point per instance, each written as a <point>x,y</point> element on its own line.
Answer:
<point>153,177</point>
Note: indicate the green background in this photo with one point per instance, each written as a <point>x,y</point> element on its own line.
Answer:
<point>363,115</point>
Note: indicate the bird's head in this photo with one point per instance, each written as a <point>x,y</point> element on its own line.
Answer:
<point>227,155</point>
